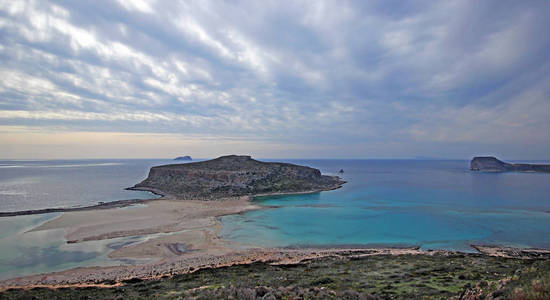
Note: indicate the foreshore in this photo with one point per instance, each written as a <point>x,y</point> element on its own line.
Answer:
<point>191,233</point>
<point>191,242</point>
<point>100,205</point>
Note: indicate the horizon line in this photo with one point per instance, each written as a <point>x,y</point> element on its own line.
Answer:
<point>260,158</point>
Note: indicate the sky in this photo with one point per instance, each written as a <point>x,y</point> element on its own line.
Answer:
<point>277,79</point>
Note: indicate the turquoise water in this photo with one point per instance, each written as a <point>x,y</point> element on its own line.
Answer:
<point>26,252</point>
<point>432,204</point>
<point>23,252</point>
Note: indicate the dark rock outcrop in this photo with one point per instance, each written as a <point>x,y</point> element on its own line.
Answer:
<point>231,176</point>
<point>492,164</point>
<point>186,158</point>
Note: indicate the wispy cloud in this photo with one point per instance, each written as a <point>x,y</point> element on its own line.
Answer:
<point>339,78</point>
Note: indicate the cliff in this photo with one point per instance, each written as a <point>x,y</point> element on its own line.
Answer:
<point>230,176</point>
<point>492,164</point>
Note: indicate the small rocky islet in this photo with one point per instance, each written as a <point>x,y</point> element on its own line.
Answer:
<point>184,158</point>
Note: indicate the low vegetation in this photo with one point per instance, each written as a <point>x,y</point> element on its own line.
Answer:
<point>458,276</point>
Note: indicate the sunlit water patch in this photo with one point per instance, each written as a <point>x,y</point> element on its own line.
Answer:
<point>27,185</point>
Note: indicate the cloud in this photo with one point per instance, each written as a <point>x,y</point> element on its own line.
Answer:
<point>339,78</point>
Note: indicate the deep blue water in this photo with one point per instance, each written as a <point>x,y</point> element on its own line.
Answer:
<point>432,204</point>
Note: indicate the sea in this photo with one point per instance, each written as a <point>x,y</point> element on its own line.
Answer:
<point>37,184</point>
<point>433,204</point>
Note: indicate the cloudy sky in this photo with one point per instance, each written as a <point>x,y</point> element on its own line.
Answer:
<point>311,79</point>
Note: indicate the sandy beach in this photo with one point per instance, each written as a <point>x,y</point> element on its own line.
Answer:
<point>159,216</point>
<point>193,242</point>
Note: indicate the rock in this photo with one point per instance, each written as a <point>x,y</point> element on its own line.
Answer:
<point>232,176</point>
<point>186,158</point>
<point>341,171</point>
<point>489,164</point>
<point>492,164</point>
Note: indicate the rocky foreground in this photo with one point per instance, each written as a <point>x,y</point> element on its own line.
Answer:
<point>360,274</point>
<point>234,176</point>
<point>492,164</point>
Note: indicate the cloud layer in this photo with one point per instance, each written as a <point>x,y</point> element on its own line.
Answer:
<point>316,79</point>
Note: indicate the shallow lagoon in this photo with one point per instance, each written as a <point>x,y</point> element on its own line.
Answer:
<point>26,252</point>
<point>432,204</point>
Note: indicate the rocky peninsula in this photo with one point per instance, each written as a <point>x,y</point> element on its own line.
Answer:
<point>492,164</point>
<point>235,176</point>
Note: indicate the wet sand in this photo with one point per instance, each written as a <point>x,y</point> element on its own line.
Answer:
<point>194,243</point>
<point>159,216</point>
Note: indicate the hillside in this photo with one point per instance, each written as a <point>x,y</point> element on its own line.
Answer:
<point>232,175</point>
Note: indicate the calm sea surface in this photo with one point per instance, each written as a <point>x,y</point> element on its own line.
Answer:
<point>28,185</point>
<point>433,204</point>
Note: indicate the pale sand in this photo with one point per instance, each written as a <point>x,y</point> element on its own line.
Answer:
<point>159,216</point>
<point>105,276</point>
<point>195,242</point>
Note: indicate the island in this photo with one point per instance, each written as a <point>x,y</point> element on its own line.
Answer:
<point>184,158</point>
<point>492,164</point>
<point>234,176</point>
<point>183,253</point>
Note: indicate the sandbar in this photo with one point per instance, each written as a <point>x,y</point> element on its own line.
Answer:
<point>192,242</point>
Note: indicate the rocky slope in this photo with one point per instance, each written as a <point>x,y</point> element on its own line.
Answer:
<point>492,164</point>
<point>231,176</point>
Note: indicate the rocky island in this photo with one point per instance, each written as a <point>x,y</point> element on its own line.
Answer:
<point>492,164</point>
<point>185,256</point>
<point>234,176</point>
<point>184,158</point>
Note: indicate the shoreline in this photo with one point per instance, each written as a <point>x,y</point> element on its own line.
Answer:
<point>297,193</point>
<point>108,277</point>
<point>104,205</point>
<point>129,202</point>
<point>100,205</point>
<point>193,242</point>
